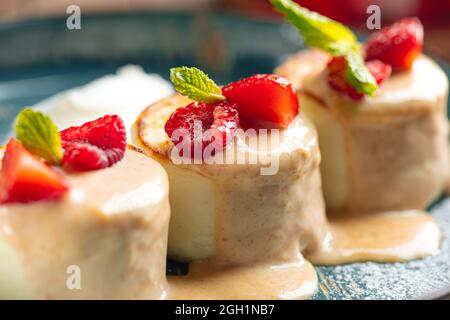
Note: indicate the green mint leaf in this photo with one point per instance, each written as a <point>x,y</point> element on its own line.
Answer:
<point>318,31</point>
<point>358,76</point>
<point>195,84</point>
<point>326,34</point>
<point>39,135</point>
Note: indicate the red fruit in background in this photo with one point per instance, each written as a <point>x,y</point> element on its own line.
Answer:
<point>24,178</point>
<point>379,70</point>
<point>329,9</point>
<point>336,78</point>
<point>94,145</point>
<point>336,75</point>
<point>202,124</point>
<point>398,44</point>
<point>263,100</point>
<point>337,65</point>
<point>435,12</point>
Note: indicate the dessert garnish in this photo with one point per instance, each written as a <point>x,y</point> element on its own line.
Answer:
<point>337,79</point>
<point>195,84</point>
<point>264,100</point>
<point>27,172</point>
<point>260,101</point>
<point>37,133</point>
<point>398,44</point>
<point>94,145</point>
<point>328,35</point>
<point>209,120</point>
<point>25,178</point>
<point>204,124</point>
<point>26,175</point>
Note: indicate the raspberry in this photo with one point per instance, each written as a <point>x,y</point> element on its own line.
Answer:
<point>379,70</point>
<point>336,75</point>
<point>84,156</point>
<point>398,44</point>
<point>336,65</point>
<point>203,124</point>
<point>94,145</point>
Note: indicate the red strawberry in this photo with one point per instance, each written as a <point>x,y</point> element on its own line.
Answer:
<point>336,75</point>
<point>24,178</point>
<point>94,145</point>
<point>398,44</point>
<point>263,100</point>
<point>202,124</point>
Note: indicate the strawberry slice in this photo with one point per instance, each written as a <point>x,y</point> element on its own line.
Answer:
<point>201,124</point>
<point>263,100</point>
<point>24,178</point>
<point>94,145</point>
<point>398,44</point>
<point>337,80</point>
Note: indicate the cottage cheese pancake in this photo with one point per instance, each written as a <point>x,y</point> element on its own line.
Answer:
<point>112,225</point>
<point>386,152</point>
<point>238,222</point>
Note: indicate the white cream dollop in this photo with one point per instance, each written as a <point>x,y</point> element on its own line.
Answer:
<point>125,93</point>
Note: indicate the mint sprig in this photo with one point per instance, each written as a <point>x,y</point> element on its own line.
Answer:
<point>358,76</point>
<point>195,84</point>
<point>318,31</point>
<point>39,135</point>
<point>333,37</point>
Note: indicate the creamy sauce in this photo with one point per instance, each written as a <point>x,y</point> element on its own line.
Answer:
<point>369,228</point>
<point>254,218</point>
<point>263,224</point>
<point>383,237</point>
<point>208,280</point>
<point>112,225</point>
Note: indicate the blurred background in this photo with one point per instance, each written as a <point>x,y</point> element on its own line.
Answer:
<point>435,14</point>
<point>230,39</point>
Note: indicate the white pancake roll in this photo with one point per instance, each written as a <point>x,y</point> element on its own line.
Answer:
<point>106,239</point>
<point>232,212</point>
<point>386,152</point>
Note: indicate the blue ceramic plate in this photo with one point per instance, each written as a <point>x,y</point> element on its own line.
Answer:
<point>41,58</point>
